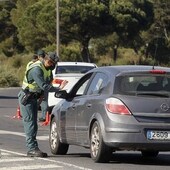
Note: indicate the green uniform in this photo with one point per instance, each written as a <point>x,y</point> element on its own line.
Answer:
<point>35,82</point>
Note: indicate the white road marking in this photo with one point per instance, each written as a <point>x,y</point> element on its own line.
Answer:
<point>11,152</point>
<point>4,154</point>
<point>15,159</point>
<point>4,132</point>
<point>43,137</point>
<point>32,167</point>
<point>44,159</point>
<point>70,165</point>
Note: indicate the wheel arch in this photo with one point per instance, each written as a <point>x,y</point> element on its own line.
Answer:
<point>97,117</point>
<point>55,115</point>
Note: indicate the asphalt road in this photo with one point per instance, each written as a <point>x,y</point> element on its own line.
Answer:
<point>13,150</point>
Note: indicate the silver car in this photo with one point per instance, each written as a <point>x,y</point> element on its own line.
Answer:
<point>114,108</point>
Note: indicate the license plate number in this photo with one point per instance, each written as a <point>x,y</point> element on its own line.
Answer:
<point>158,135</point>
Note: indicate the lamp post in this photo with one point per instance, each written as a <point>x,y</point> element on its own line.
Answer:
<point>57,28</point>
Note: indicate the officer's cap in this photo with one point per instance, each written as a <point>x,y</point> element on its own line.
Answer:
<point>41,53</point>
<point>53,57</point>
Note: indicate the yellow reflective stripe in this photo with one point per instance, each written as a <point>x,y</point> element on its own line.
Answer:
<point>29,64</point>
<point>47,73</point>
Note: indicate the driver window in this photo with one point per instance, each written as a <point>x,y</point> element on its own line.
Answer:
<point>82,88</point>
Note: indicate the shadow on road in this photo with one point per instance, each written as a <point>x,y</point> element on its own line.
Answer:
<point>119,158</point>
<point>72,155</point>
<point>160,160</point>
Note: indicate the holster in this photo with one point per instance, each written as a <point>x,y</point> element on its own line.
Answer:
<point>25,98</point>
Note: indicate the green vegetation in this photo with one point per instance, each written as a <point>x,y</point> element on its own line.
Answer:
<point>107,32</point>
<point>12,70</point>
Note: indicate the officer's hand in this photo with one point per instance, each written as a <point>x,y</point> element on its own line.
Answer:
<point>63,84</point>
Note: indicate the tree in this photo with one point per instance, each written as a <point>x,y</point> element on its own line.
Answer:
<point>157,36</point>
<point>35,22</point>
<point>7,29</point>
<point>131,17</point>
<point>82,20</point>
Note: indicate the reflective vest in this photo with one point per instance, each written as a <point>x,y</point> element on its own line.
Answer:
<point>28,65</point>
<point>33,86</point>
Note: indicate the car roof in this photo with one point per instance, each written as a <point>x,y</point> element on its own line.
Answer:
<point>129,68</point>
<point>76,63</point>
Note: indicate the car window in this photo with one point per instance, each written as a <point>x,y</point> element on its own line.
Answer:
<point>131,84</point>
<point>98,82</point>
<point>73,69</point>
<point>81,85</point>
<point>82,88</point>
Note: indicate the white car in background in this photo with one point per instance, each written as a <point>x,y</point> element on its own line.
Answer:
<point>70,71</point>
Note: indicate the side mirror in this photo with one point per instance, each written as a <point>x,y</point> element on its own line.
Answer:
<point>61,94</point>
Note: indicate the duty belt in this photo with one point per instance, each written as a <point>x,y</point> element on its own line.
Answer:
<point>32,94</point>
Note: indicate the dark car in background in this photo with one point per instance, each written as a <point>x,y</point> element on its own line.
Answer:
<point>114,108</point>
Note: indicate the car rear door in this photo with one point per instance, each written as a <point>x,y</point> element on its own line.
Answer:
<point>89,104</point>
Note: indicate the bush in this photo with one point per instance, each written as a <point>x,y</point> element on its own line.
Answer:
<point>12,70</point>
<point>124,56</point>
<point>8,78</point>
<point>17,63</point>
<point>70,52</point>
<point>127,56</point>
<point>50,48</point>
<point>6,47</point>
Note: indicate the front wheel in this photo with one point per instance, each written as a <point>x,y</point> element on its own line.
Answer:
<point>98,149</point>
<point>57,148</point>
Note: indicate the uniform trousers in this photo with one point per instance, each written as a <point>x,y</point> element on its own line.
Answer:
<point>29,114</point>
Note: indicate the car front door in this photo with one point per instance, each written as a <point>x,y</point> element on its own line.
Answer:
<point>70,109</point>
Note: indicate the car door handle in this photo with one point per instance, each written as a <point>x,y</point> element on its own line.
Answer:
<point>88,105</point>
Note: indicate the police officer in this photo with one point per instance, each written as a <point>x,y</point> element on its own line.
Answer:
<point>42,103</point>
<point>35,84</point>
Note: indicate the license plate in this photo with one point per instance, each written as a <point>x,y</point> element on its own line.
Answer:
<point>158,135</point>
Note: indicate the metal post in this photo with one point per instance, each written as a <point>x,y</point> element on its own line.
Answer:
<point>57,28</point>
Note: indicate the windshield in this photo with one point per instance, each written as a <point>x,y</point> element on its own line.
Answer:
<point>73,69</point>
<point>143,84</point>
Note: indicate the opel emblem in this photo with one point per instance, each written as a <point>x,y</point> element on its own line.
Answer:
<point>164,107</point>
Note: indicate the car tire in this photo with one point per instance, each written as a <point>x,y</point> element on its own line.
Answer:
<point>150,153</point>
<point>98,148</point>
<point>57,148</point>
